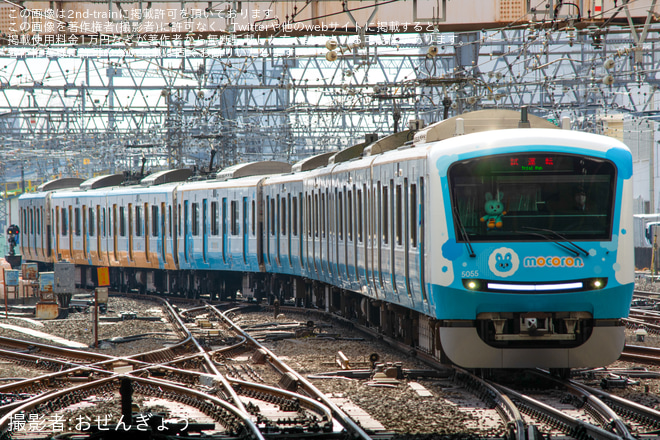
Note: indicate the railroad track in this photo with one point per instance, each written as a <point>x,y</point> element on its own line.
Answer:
<point>187,372</point>
<point>240,389</point>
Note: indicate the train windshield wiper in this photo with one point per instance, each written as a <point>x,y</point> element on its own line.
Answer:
<point>464,234</point>
<point>537,234</point>
<point>561,237</point>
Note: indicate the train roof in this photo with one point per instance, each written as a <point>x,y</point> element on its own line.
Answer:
<point>479,121</point>
<point>253,169</point>
<point>61,183</point>
<point>313,162</point>
<point>166,176</point>
<point>102,181</point>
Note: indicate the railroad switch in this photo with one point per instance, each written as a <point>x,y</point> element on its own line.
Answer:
<point>616,381</point>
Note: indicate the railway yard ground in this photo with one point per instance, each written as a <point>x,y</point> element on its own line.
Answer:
<point>402,397</point>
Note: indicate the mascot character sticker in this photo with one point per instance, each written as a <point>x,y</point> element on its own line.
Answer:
<point>494,211</point>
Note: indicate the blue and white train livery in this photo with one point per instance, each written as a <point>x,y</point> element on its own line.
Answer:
<point>491,239</point>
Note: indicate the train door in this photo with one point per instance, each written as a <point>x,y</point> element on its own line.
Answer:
<point>205,230</point>
<point>146,231</point>
<point>97,227</point>
<point>350,235</point>
<point>277,222</point>
<point>41,252</point>
<point>301,234</point>
<point>114,232</point>
<point>85,233</point>
<point>186,216</point>
<point>224,230</point>
<point>317,234</point>
<point>361,233</point>
<point>373,242</point>
<point>70,221</point>
<point>58,219</point>
<point>245,230</point>
<point>162,237</point>
<point>415,276</point>
<point>407,235</point>
<point>384,233</point>
<point>288,226</point>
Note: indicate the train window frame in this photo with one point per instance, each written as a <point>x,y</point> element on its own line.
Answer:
<point>253,214</point>
<point>316,215</point>
<point>340,216</point>
<point>358,212</point>
<point>91,220</point>
<point>234,213</point>
<point>154,222</point>
<point>271,217</point>
<point>194,224</point>
<point>413,215</point>
<point>283,216</point>
<point>138,221</point>
<point>76,217</point>
<point>349,215</point>
<point>122,221</point>
<point>324,213</point>
<point>549,205</point>
<point>385,215</point>
<point>398,214</point>
<point>65,223</point>
<point>215,218</point>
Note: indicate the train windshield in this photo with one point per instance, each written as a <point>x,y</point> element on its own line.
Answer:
<point>531,196</point>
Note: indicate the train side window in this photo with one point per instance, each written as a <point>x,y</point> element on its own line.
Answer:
<point>122,221</point>
<point>349,215</point>
<point>358,211</point>
<point>65,223</point>
<point>398,209</point>
<point>103,229</point>
<point>413,215</point>
<point>195,219</point>
<point>271,225</point>
<point>234,217</point>
<point>253,213</point>
<point>294,216</point>
<point>138,221</point>
<point>31,212</point>
<point>224,216</point>
<point>77,221</point>
<point>385,215</point>
<point>316,215</point>
<point>214,218</point>
<point>169,219</point>
<point>154,220</point>
<point>91,221</point>
<point>283,216</point>
<point>179,220</point>
<point>340,216</point>
<point>323,213</point>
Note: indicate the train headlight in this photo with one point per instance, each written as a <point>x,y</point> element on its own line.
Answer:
<point>471,284</point>
<point>598,283</point>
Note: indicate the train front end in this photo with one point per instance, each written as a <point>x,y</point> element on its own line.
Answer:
<point>535,268</point>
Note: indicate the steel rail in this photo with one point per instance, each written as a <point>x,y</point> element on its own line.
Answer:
<point>557,419</point>
<point>353,428</point>
<point>502,404</point>
<point>593,405</point>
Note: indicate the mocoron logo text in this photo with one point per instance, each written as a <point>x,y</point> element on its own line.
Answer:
<point>553,262</point>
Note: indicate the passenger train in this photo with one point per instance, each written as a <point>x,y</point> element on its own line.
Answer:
<point>492,239</point>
